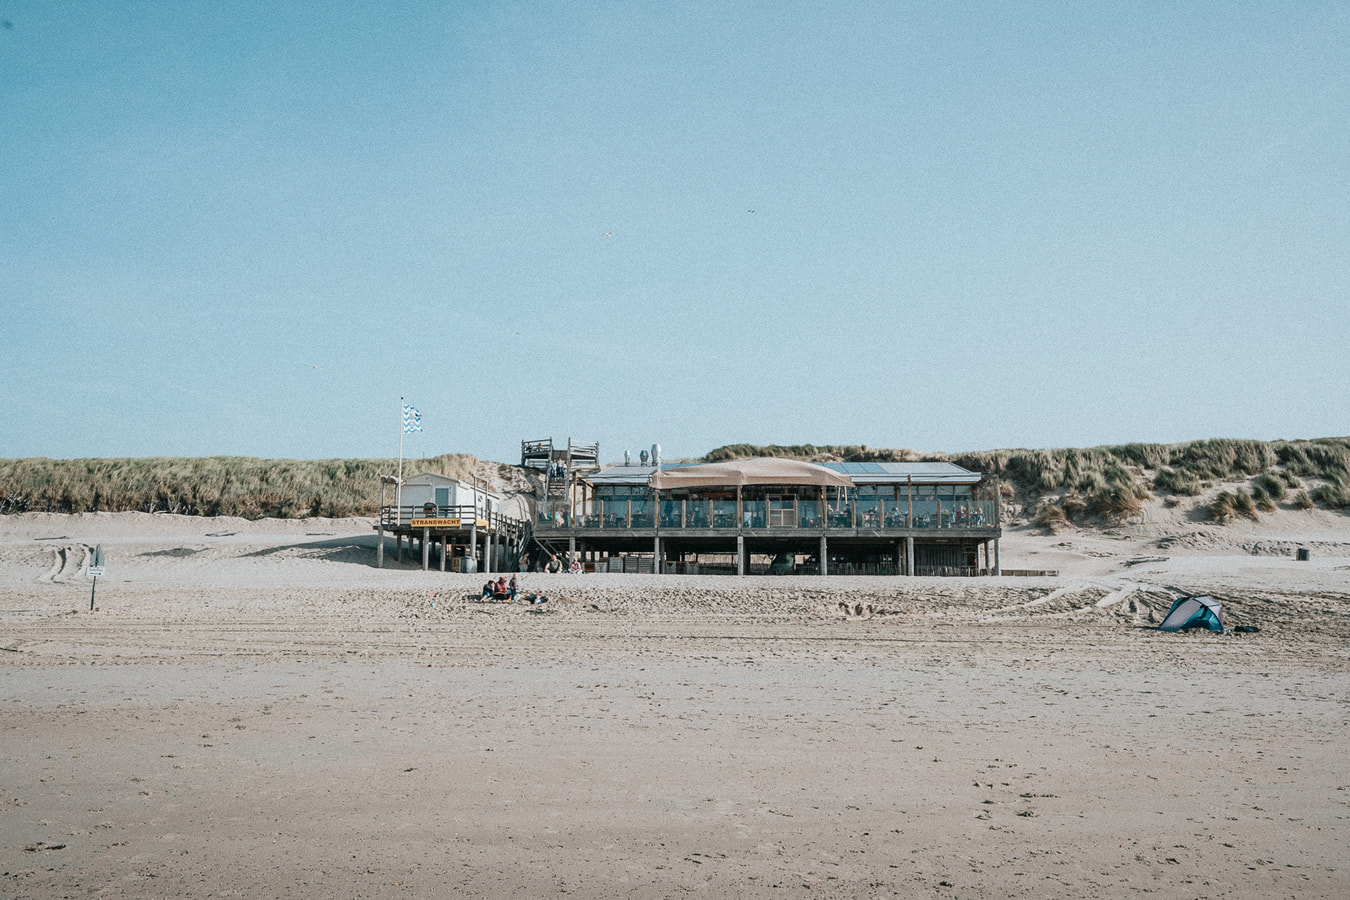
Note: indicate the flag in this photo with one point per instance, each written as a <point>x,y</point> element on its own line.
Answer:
<point>412,419</point>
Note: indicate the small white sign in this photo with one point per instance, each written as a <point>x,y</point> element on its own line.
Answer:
<point>95,571</point>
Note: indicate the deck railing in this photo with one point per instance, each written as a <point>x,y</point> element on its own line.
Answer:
<point>778,515</point>
<point>395,517</point>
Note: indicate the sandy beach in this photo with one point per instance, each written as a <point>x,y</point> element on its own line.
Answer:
<point>255,710</point>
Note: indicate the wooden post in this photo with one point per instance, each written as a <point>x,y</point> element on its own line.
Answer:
<point>398,543</point>
<point>571,550</point>
<point>909,555</point>
<point>824,556</point>
<point>426,549</point>
<point>998,563</point>
<point>656,555</point>
<point>473,529</point>
<point>379,547</point>
<point>442,552</point>
<point>740,547</point>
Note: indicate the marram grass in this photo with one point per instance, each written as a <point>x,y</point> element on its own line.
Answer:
<point>1067,485</point>
<point>1062,486</point>
<point>208,486</point>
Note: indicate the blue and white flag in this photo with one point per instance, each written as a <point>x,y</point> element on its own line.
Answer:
<point>412,419</point>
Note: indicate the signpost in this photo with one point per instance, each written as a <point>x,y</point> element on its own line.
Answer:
<point>95,570</point>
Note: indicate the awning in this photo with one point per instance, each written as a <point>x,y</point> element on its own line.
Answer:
<point>740,472</point>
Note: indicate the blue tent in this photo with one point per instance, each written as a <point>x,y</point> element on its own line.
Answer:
<point>1194,612</point>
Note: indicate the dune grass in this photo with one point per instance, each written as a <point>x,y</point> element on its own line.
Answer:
<point>1058,486</point>
<point>1231,504</point>
<point>1072,484</point>
<point>209,486</point>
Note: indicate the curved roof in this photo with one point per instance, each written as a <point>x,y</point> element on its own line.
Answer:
<point>762,470</point>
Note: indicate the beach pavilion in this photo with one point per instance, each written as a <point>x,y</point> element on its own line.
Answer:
<point>775,515</point>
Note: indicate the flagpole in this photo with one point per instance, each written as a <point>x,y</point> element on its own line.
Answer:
<point>398,490</point>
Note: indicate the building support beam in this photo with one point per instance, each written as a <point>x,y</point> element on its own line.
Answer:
<point>443,543</point>
<point>379,547</point>
<point>571,551</point>
<point>900,558</point>
<point>740,553</point>
<point>824,556</point>
<point>998,563</point>
<point>426,549</point>
<point>656,556</point>
<point>909,555</point>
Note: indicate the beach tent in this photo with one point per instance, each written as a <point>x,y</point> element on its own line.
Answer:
<point>1194,612</point>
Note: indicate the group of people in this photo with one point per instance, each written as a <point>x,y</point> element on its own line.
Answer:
<point>501,589</point>
<point>555,566</point>
<point>504,591</point>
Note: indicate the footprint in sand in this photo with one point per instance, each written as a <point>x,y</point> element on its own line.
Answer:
<point>64,564</point>
<point>58,563</point>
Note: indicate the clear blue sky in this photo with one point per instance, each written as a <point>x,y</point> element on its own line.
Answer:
<point>245,228</point>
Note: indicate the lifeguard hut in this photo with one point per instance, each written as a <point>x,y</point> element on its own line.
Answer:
<point>463,520</point>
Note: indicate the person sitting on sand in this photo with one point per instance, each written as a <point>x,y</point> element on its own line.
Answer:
<point>575,567</point>
<point>512,586</point>
<point>500,591</point>
<point>487,590</point>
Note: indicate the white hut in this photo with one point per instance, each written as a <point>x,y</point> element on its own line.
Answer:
<point>451,497</point>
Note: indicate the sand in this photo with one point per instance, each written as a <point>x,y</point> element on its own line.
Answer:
<point>254,710</point>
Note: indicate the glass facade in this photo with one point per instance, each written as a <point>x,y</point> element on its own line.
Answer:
<point>868,506</point>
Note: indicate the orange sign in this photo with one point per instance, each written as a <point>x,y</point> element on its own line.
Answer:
<point>446,523</point>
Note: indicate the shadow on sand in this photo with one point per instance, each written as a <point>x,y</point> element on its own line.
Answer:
<point>350,549</point>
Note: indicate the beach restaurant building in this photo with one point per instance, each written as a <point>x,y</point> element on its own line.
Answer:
<point>749,516</point>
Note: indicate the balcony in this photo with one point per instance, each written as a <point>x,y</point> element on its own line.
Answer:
<point>788,515</point>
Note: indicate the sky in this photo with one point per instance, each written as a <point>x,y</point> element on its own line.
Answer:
<point>250,228</point>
